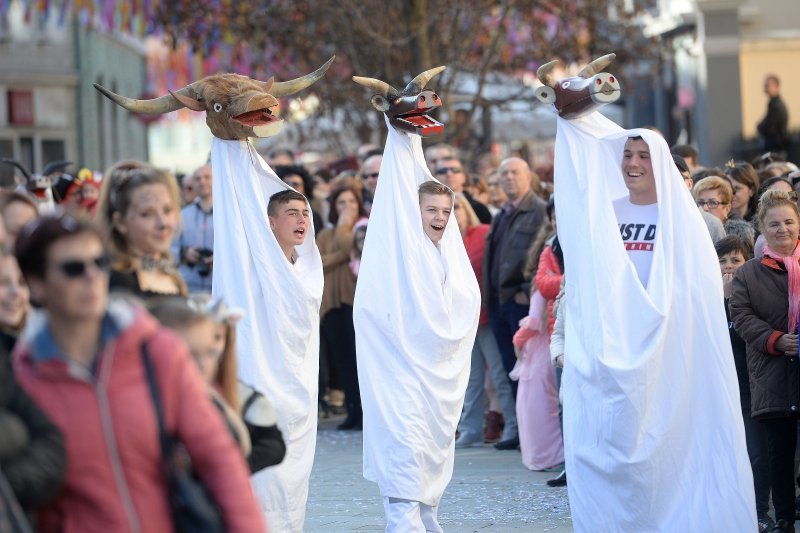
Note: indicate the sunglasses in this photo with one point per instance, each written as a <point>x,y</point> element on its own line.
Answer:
<point>445,170</point>
<point>75,268</point>
<point>368,176</point>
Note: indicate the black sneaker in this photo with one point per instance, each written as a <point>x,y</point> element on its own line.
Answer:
<point>558,481</point>
<point>765,523</point>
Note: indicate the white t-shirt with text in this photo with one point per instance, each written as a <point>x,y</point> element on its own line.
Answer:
<point>637,225</point>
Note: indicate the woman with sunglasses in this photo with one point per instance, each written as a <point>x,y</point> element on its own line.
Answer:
<point>82,360</point>
<point>139,208</point>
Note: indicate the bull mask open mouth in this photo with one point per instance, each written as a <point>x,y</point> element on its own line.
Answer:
<point>408,109</point>
<point>236,107</point>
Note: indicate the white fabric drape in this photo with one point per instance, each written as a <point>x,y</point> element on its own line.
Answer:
<point>416,314</point>
<point>278,340</point>
<point>654,439</point>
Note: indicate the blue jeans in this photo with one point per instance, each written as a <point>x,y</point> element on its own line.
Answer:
<point>485,350</point>
<point>504,320</point>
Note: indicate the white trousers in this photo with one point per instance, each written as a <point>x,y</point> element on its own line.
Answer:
<point>409,516</point>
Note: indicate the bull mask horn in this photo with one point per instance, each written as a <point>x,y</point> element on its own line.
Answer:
<point>285,88</point>
<point>596,66</point>
<point>162,104</point>
<point>417,84</point>
<point>19,166</point>
<point>380,87</point>
<point>545,73</point>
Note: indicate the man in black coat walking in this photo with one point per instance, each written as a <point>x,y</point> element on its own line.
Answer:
<point>773,127</point>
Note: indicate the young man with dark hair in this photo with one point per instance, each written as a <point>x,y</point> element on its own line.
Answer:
<point>288,215</point>
<point>773,127</point>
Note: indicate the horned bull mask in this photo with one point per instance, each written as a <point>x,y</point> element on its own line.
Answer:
<point>407,109</point>
<point>578,96</point>
<point>237,107</point>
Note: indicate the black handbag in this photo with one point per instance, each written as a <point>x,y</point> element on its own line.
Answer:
<point>193,508</point>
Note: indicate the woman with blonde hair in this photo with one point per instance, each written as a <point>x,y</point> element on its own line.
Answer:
<point>764,308</point>
<point>714,194</point>
<point>140,209</point>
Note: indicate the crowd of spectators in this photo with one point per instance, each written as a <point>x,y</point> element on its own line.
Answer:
<point>80,449</point>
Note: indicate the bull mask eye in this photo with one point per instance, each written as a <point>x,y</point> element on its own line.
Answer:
<point>217,107</point>
<point>565,85</point>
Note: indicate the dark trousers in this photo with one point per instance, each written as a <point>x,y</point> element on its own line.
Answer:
<point>758,452</point>
<point>339,338</point>
<point>781,441</point>
<point>504,320</point>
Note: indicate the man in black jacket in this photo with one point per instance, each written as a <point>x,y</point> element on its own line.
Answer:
<point>507,290</point>
<point>773,128</point>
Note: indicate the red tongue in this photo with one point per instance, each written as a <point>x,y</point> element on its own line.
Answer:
<point>418,120</point>
<point>255,118</point>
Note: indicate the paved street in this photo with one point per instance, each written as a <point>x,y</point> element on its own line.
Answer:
<point>491,491</point>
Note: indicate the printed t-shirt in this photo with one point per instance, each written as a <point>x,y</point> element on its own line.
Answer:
<point>637,225</point>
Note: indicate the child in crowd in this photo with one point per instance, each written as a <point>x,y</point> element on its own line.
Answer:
<point>208,328</point>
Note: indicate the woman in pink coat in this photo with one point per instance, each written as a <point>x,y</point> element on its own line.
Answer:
<point>81,361</point>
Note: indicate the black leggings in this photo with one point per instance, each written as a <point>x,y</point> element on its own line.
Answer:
<point>781,441</point>
<point>339,337</point>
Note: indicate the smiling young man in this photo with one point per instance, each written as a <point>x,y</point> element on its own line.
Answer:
<point>435,206</point>
<point>637,213</point>
<point>653,426</point>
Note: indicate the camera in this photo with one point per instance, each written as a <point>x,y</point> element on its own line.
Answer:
<point>203,268</point>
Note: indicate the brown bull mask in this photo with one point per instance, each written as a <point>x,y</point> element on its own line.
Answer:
<point>407,109</point>
<point>236,106</point>
<point>578,96</point>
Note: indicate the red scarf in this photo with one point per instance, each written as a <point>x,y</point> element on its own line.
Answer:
<point>792,264</point>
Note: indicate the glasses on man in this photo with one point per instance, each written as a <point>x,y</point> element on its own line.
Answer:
<point>448,170</point>
<point>712,204</point>
<point>76,268</point>
<point>370,175</point>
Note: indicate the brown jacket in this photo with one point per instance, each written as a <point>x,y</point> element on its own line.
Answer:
<point>759,307</point>
<point>335,245</point>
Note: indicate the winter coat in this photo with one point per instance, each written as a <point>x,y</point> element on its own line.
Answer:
<point>32,453</point>
<point>114,477</point>
<point>759,307</point>
<point>512,250</point>
<point>548,281</point>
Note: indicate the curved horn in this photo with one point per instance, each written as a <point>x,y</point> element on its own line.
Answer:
<point>19,166</point>
<point>380,87</point>
<point>545,73</point>
<point>596,66</point>
<point>285,88</point>
<point>417,84</point>
<point>55,166</point>
<point>162,104</point>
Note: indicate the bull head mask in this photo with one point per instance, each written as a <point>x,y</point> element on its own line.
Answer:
<point>407,109</point>
<point>236,106</point>
<point>578,96</point>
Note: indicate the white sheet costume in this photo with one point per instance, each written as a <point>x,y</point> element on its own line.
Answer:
<point>654,439</point>
<point>416,314</point>
<point>278,340</point>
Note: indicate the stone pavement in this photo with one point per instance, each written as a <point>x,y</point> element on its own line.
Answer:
<point>491,492</point>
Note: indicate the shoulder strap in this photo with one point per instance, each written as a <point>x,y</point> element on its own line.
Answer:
<point>250,401</point>
<point>155,394</point>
